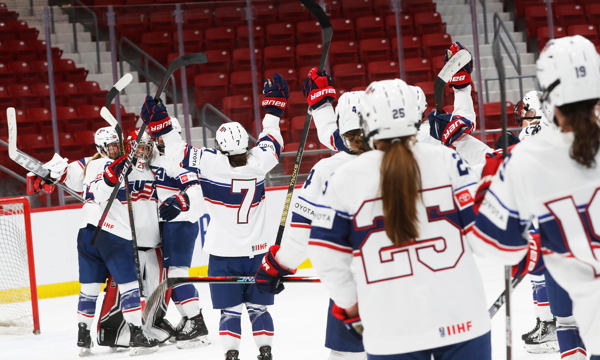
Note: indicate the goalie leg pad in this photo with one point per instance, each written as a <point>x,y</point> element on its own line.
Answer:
<point>230,328</point>
<point>86,309</point>
<point>262,324</point>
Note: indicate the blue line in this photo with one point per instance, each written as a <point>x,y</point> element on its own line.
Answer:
<point>504,206</point>
<point>464,186</point>
<point>324,207</point>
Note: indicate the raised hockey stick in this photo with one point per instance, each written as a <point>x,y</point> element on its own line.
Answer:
<point>318,12</point>
<point>154,299</point>
<point>26,161</point>
<point>502,298</point>
<point>453,65</point>
<point>189,59</point>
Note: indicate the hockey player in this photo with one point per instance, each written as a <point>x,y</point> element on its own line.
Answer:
<point>233,187</point>
<point>400,224</point>
<point>568,72</point>
<point>279,262</point>
<point>181,198</point>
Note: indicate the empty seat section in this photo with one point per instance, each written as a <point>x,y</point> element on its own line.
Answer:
<point>264,14</point>
<point>543,35</point>
<point>70,71</point>
<point>343,29</point>
<point>24,96</point>
<point>290,76</point>
<point>308,161</point>
<point>71,96</point>
<point>73,121</point>
<point>297,105</point>
<point>587,31</point>
<point>374,50</point>
<point>279,56</point>
<point>347,76</point>
<point>210,88</point>
<point>353,9</point>
<point>297,126</point>
<point>535,17</point>
<point>429,23</point>
<point>241,59</point>
<point>293,12</point>
<point>281,34</point>
<point>241,82</point>
<point>436,44</point>
<point>417,70</point>
<point>308,54</point>
<point>96,96</point>
<point>163,21</point>
<point>192,40</point>
<point>25,74</point>
<point>243,39</point>
<point>239,108</point>
<point>158,45</point>
<point>411,45</point>
<point>406,22</point>
<point>219,61</point>
<point>343,52</point>
<point>383,70</point>
<point>219,38</point>
<point>570,14</point>
<point>132,26</point>
<point>308,32</point>
<point>420,6</point>
<point>370,27</point>
<point>230,16</point>
<point>197,19</point>
<point>493,113</point>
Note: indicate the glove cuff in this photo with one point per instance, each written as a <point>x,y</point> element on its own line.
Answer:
<point>160,127</point>
<point>460,80</point>
<point>184,201</point>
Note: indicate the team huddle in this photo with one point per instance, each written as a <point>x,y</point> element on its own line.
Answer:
<point>390,222</point>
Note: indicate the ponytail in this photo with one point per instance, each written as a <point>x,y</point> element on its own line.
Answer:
<point>95,157</point>
<point>400,189</point>
<point>581,118</point>
<point>355,138</point>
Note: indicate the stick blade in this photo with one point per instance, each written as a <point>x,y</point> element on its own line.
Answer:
<point>106,115</point>
<point>453,65</point>
<point>124,81</point>
<point>12,132</point>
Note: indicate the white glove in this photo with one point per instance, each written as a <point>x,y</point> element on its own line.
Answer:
<point>57,166</point>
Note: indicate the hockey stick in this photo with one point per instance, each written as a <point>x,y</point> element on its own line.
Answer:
<point>456,62</point>
<point>154,299</point>
<point>502,298</point>
<point>318,12</point>
<point>26,161</point>
<point>189,59</point>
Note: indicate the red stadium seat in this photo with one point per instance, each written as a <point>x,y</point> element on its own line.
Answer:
<point>284,128</point>
<point>593,14</point>
<point>192,40</point>
<point>40,47</point>
<point>535,17</point>
<point>73,121</point>
<point>219,61</point>
<point>155,43</point>
<point>25,74</point>
<point>383,7</point>
<point>436,44</point>
<point>30,141</point>
<point>308,161</point>
<point>297,104</point>
<point>343,52</point>
<point>68,148</point>
<point>7,34</point>
<point>427,87</point>
<point>567,15</point>
<point>44,119</point>
<point>24,96</point>
<point>521,5</point>
<point>333,8</point>
<point>241,59</point>
<point>132,26</point>
<point>230,16</point>
<point>163,21</point>
<point>587,31</point>
<point>21,50</point>
<point>239,108</point>
<point>96,96</point>
<point>297,125</point>
<point>406,21</point>
<point>543,35</point>
<point>86,138</point>
<point>243,39</point>
<point>383,70</point>
<point>41,67</point>
<point>71,94</point>
<point>370,27</point>
<point>493,114</point>
<point>210,88</point>
<point>420,6</point>
<point>411,45</point>
<point>9,15</point>
<point>343,29</point>
<point>374,50</point>
<point>417,70</point>
<point>25,32</point>
<point>6,56</point>
<point>241,82</point>
<point>7,77</point>
<point>308,54</point>
<point>24,125</point>
<point>127,119</point>
<point>309,32</point>
<point>43,92</point>
<point>280,56</point>
<point>281,34</point>
<point>290,76</point>
<point>92,114</point>
<point>429,23</point>
<point>264,14</point>
<point>293,12</point>
<point>353,9</point>
<point>71,72</point>
<point>347,76</point>
<point>197,19</point>
<point>220,38</point>
<point>6,100</point>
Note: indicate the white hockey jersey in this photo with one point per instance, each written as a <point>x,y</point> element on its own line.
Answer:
<point>144,201</point>
<point>74,174</point>
<point>234,196</point>
<point>539,180</point>
<point>327,129</point>
<point>420,296</point>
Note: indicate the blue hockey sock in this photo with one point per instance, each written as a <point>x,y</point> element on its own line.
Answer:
<point>86,308</point>
<point>569,341</point>
<point>262,324</point>
<point>131,305</point>
<point>230,328</point>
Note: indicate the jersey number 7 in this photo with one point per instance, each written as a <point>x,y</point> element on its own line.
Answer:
<point>248,189</point>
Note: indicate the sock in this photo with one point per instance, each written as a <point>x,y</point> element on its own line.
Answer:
<point>569,341</point>
<point>262,324</point>
<point>86,309</point>
<point>130,303</point>
<point>185,296</point>
<point>542,308</point>
<point>230,328</point>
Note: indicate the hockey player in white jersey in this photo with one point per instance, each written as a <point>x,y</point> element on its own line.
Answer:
<point>233,185</point>
<point>181,201</point>
<point>282,261</point>
<point>554,177</point>
<point>400,224</point>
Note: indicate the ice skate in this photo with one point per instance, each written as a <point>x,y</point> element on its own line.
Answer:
<point>544,340</point>
<point>139,343</point>
<point>84,340</point>
<point>232,355</point>
<point>178,328</point>
<point>166,326</point>
<point>528,334</point>
<point>193,334</point>
<point>265,353</point>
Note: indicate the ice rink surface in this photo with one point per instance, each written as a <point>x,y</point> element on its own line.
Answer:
<point>299,314</point>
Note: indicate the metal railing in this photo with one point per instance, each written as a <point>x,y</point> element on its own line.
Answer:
<point>485,27</point>
<point>487,93</point>
<point>499,25</point>
<point>146,69</point>
<point>205,124</point>
<point>82,6</point>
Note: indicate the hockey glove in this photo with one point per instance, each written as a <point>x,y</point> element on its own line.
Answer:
<point>492,163</point>
<point>155,116</point>
<point>269,274</point>
<point>113,171</point>
<point>317,89</point>
<point>174,205</point>
<point>36,184</point>
<point>533,261</point>
<point>276,94</point>
<point>512,140</point>
<point>353,325</point>
<point>462,78</point>
<point>447,128</point>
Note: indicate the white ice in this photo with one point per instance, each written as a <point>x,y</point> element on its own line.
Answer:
<point>299,314</point>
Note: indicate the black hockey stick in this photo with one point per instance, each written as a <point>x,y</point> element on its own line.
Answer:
<point>154,299</point>
<point>502,298</point>
<point>318,12</point>
<point>28,162</point>
<point>507,269</point>
<point>189,59</point>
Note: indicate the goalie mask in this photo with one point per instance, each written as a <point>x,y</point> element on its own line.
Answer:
<point>103,138</point>
<point>144,149</point>
<point>530,110</point>
<point>231,139</point>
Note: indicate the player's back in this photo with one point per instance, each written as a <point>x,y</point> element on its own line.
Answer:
<point>426,294</point>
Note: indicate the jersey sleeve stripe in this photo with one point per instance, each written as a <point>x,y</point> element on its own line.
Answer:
<point>464,186</point>
<point>495,243</point>
<point>330,246</point>
<point>303,226</point>
<point>513,212</point>
<point>341,213</point>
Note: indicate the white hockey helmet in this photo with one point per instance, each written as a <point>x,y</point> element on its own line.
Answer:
<point>421,100</point>
<point>175,124</point>
<point>568,71</point>
<point>530,110</point>
<point>103,137</point>
<point>231,139</point>
<point>145,147</point>
<point>347,111</point>
<point>389,110</point>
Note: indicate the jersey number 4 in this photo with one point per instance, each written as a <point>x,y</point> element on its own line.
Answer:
<point>248,189</point>
<point>438,248</point>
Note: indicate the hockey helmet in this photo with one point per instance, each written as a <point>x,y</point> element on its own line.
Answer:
<point>421,100</point>
<point>231,139</point>
<point>104,137</point>
<point>144,148</point>
<point>347,111</point>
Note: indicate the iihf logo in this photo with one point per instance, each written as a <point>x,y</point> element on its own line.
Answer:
<point>252,247</point>
<point>442,332</point>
